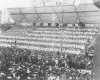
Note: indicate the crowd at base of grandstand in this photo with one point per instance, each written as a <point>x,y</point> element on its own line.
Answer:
<point>47,53</point>
<point>24,64</point>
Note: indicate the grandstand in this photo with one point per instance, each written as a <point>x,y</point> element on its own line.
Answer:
<point>50,34</point>
<point>53,37</point>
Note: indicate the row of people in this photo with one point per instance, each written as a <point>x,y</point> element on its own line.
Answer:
<point>45,38</point>
<point>67,48</point>
<point>54,30</point>
<point>54,34</point>
<point>58,32</point>
<point>68,41</point>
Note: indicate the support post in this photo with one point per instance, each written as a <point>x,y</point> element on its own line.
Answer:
<point>56,15</point>
<point>61,22</point>
<point>77,14</point>
<point>23,14</point>
<point>38,15</point>
<point>62,32</point>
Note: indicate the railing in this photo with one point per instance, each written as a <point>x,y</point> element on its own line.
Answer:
<point>94,40</point>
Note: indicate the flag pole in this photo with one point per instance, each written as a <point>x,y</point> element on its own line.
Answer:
<point>61,33</point>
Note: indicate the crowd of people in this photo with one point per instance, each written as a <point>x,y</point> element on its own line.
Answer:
<point>24,64</point>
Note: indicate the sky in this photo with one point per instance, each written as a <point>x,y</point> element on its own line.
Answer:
<point>21,3</point>
<point>14,3</point>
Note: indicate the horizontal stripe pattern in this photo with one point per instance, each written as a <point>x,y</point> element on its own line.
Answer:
<point>48,39</point>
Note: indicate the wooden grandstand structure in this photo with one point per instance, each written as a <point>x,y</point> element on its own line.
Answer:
<point>50,17</point>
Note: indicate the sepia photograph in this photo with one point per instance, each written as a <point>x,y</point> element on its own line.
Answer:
<point>49,39</point>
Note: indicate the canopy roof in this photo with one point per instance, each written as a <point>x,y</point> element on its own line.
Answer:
<point>87,13</point>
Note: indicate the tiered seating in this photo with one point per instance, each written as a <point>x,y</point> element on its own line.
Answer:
<point>49,39</point>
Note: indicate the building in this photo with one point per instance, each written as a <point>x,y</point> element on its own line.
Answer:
<point>40,3</point>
